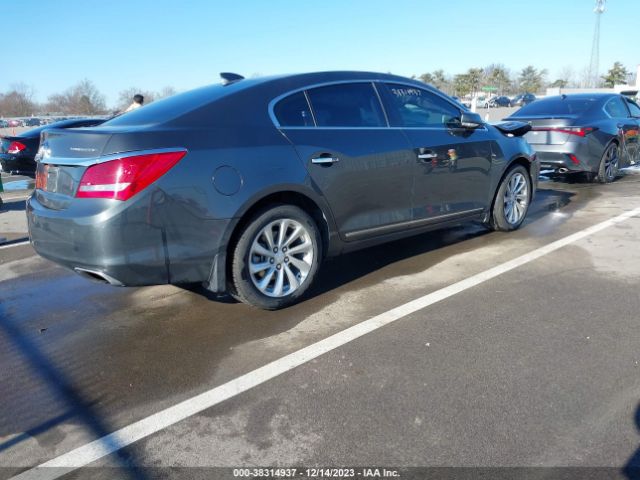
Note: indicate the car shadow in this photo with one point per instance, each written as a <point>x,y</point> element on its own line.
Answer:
<point>344,269</point>
<point>13,206</point>
<point>632,468</point>
<point>64,390</point>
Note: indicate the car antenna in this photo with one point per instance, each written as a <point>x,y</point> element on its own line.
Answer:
<point>228,78</point>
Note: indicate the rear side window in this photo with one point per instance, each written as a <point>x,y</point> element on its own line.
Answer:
<point>293,111</point>
<point>557,106</point>
<point>616,109</point>
<point>414,107</point>
<point>347,105</point>
<point>635,110</point>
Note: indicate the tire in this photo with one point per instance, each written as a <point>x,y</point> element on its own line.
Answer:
<point>514,191</point>
<point>609,164</point>
<point>264,273</point>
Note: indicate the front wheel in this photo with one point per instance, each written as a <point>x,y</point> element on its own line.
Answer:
<point>512,200</point>
<point>276,258</point>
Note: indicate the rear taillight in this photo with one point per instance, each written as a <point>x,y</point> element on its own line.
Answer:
<point>16,147</point>
<point>579,131</point>
<point>42,171</point>
<point>122,178</point>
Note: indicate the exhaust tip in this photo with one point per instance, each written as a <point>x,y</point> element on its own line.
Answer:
<point>97,276</point>
<point>563,170</point>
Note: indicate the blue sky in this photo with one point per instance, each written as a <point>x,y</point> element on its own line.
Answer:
<point>150,44</point>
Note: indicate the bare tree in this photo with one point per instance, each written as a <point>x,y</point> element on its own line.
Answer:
<point>81,99</point>
<point>18,101</point>
<point>125,97</point>
<point>168,91</point>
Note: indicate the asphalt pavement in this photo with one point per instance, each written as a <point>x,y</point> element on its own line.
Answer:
<point>535,364</point>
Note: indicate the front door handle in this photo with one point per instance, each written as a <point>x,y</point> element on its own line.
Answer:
<point>325,160</point>
<point>427,156</point>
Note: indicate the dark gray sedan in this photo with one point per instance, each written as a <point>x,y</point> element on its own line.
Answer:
<point>248,185</point>
<point>593,133</point>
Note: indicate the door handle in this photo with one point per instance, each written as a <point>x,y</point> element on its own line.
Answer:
<point>427,156</point>
<point>325,160</point>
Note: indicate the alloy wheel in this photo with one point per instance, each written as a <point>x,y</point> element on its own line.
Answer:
<point>516,198</point>
<point>280,258</point>
<point>611,162</point>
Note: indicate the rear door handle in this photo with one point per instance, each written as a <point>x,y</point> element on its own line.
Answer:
<point>325,160</point>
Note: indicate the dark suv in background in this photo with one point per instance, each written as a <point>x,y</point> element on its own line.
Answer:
<point>247,186</point>
<point>523,99</point>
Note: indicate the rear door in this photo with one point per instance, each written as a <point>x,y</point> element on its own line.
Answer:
<point>363,168</point>
<point>633,135</point>
<point>452,165</point>
<point>627,126</point>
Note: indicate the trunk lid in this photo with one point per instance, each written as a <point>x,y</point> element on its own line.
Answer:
<point>62,158</point>
<point>541,134</point>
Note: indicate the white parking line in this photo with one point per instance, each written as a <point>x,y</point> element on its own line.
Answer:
<point>26,242</point>
<point>113,442</point>
<point>20,197</point>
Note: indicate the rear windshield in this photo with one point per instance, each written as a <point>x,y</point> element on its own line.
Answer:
<point>557,106</point>
<point>169,108</point>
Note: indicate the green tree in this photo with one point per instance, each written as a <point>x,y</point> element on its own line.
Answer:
<point>559,83</point>
<point>531,80</point>
<point>616,75</point>
<point>497,75</point>
<point>469,82</point>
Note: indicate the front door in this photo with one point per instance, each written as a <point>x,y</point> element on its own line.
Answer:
<point>452,164</point>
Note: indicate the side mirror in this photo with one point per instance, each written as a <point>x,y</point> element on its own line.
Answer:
<point>471,120</point>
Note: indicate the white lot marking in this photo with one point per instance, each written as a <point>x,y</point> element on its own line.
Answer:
<point>26,242</point>
<point>113,442</point>
<point>8,198</point>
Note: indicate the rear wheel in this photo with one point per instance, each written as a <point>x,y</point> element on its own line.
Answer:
<point>512,200</point>
<point>609,164</point>
<point>276,258</point>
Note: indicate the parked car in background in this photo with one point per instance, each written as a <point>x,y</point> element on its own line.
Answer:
<point>3,123</point>
<point>523,99</point>
<point>497,101</point>
<point>246,187</point>
<point>593,133</point>
<point>17,152</point>
<point>32,122</point>
<point>15,123</point>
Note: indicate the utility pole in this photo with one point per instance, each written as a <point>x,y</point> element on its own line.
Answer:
<point>595,47</point>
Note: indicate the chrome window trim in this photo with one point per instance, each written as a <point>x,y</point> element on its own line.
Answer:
<point>313,113</point>
<point>86,162</point>
<point>374,83</point>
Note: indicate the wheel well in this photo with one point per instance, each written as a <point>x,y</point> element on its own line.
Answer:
<point>518,161</point>
<point>280,198</point>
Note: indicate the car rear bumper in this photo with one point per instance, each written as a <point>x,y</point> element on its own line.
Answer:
<point>131,247</point>
<point>568,157</point>
<point>17,164</point>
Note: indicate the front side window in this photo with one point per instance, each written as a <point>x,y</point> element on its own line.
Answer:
<point>347,105</point>
<point>293,111</point>
<point>415,107</point>
<point>616,109</point>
